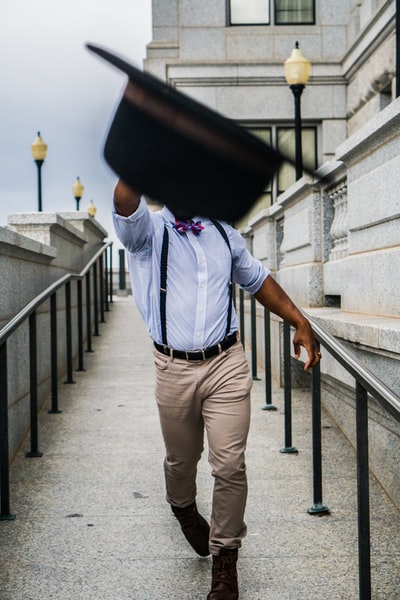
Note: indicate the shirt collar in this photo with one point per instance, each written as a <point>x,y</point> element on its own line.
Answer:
<point>169,217</point>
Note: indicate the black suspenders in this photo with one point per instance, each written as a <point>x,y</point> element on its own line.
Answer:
<point>163,285</point>
<point>225,236</point>
<point>163,281</point>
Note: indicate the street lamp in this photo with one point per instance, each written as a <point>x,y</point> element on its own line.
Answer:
<point>39,151</point>
<point>77,191</point>
<point>91,209</point>
<point>297,72</point>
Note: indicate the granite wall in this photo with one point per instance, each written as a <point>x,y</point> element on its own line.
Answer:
<point>333,243</point>
<point>37,249</point>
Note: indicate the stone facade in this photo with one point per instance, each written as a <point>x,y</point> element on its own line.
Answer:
<point>238,70</point>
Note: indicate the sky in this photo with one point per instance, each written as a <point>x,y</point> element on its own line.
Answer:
<point>52,84</point>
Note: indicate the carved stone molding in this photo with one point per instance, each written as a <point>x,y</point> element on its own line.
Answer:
<point>339,229</point>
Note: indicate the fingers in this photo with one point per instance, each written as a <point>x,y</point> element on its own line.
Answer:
<point>297,349</point>
<point>314,357</point>
<point>312,349</point>
<point>313,360</point>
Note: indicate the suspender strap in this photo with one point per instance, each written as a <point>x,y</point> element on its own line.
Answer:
<point>163,281</point>
<point>163,285</point>
<point>225,236</point>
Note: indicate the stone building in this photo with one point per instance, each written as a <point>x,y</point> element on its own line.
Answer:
<point>335,247</point>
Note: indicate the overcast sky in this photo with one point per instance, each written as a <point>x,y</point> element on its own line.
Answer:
<point>52,84</point>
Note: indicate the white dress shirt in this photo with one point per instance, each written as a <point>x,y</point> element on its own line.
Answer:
<point>198,276</point>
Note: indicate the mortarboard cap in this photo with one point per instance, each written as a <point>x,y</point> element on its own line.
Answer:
<point>174,149</point>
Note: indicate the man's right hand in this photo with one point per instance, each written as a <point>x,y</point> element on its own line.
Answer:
<point>126,199</point>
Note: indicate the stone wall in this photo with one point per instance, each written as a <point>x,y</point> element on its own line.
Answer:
<point>334,244</point>
<point>35,250</point>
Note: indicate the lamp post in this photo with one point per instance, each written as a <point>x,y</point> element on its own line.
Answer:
<point>297,72</point>
<point>92,209</point>
<point>77,191</point>
<point>39,151</point>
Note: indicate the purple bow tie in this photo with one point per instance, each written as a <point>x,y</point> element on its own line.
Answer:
<point>183,226</point>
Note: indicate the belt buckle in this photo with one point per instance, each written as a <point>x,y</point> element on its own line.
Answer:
<point>164,349</point>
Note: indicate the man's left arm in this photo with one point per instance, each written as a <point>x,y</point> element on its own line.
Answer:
<point>275,299</point>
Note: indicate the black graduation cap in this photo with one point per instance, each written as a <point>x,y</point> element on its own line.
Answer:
<point>181,153</point>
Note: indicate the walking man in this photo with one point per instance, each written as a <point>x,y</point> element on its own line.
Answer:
<point>182,267</point>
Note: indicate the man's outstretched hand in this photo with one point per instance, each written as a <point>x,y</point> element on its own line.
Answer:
<point>275,299</point>
<point>305,337</point>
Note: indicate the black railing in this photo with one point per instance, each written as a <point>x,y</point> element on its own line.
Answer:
<point>365,383</point>
<point>98,280</point>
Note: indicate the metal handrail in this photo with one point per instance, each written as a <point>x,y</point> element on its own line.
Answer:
<point>28,313</point>
<point>364,376</point>
<point>365,383</point>
<point>23,314</point>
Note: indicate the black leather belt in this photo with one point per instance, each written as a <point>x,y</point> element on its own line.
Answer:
<point>199,354</point>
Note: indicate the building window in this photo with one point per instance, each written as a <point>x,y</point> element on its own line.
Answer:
<point>249,12</point>
<point>258,12</point>
<point>291,12</point>
<point>283,139</point>
<point>285,143</point>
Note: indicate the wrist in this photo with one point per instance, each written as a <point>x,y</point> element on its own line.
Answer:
<point>300,321</point>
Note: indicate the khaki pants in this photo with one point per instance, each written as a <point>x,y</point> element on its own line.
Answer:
<point>214,394</point>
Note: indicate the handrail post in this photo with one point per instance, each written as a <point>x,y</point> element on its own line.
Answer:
<point>80,325</point>
<point>34,451</point>
<point>68,331</point>
<point>288,449</point>
<point>111,276</point>
<point>95,301</point>
<point>88,315</point>
<point>364,546</point>
<point>53,355</point>
<point>318,507</point>
<point>241,310</point>
<point>122,279</point>
<point>5,514</point>
<point>106,278</point>
<point>267,361</point>
<point>253,322</point>
<point>101,274</point>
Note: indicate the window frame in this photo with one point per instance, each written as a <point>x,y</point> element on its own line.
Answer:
<point>305,126</point>
<point>245,24</point>
<point>272,190</point>
<point>292,23</point>
<point>272,17</point>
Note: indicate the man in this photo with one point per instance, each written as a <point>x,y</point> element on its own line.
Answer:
<point>181,273</point>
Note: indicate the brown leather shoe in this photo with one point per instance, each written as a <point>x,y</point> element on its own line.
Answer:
<point>194,527</point>
<point>224,585</point>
